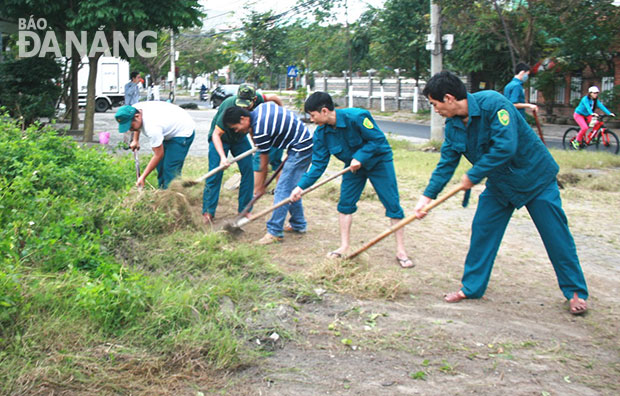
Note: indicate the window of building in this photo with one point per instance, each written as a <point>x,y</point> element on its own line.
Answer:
<point>607,84</point>
<point>560,94</point>
<point>575,88</point>
<point>533,92</point>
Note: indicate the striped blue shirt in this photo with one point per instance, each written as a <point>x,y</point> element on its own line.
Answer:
<point>274,126</point>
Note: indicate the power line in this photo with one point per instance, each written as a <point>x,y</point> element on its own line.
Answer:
<point>303,8</point>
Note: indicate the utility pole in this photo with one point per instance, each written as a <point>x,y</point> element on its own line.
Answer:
<point>436,66</point>
<point>350,55</point>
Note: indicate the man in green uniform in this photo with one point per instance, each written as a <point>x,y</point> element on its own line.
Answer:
<point>487,129</point>
<point>223,139</point>
<point>514,89</point>
<point>353,137</point>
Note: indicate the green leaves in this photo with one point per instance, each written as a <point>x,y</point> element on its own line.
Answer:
<point>28,88</point>
<point>48,187</point>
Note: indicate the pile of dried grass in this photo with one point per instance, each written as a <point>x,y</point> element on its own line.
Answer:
<point>180,206</point>
<point>357,279</point>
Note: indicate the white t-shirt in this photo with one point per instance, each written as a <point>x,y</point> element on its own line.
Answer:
<point>164,121</point>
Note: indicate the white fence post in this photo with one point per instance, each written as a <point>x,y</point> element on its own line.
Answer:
<point>382,99</point>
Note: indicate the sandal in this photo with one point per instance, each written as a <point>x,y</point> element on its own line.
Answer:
<point>454,297</point>
<point>334,255</point>
<point>405,262</point>
<point>578,306</point>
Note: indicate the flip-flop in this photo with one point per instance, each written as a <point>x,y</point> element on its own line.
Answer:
<point>578,306</point>
<point>454,297</point>
<point>405,263</point>
<point>334,255</point>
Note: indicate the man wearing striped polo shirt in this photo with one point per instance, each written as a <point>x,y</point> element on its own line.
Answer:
<point>274,126</point>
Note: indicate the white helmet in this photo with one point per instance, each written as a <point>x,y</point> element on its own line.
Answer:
<point>593,88</point>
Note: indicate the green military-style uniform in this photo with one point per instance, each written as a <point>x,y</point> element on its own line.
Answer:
<point>520,171</point>
<point>236,143</point>
<point>356,135</point>
<point>515,93</point>
<point>229,136</point>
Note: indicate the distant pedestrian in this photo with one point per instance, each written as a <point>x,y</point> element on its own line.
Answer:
<point>132,89</point>
<point>132,96</point>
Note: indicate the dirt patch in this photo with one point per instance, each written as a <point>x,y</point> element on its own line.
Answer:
<point>519,339</point>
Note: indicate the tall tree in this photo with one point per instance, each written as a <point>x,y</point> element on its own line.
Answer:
<point>124,16</point>
<point>401,31</point>
<point>584,38</point>
<point>58,15</point>
<point>491,36</point>
<point>201,52</point>
<point>265,46</point>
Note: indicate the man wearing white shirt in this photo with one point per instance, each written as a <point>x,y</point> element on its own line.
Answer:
<point>170,131</point>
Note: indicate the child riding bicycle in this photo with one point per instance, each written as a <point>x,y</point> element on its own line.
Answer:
<point>584,113</point>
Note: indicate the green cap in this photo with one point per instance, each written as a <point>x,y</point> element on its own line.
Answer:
<point>245,95</point>
<point>124,117</point>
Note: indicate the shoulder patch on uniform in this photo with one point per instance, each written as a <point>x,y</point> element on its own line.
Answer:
<point>367,123</point>
<point>504,117</point>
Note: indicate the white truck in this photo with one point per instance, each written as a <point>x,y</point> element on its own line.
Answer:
<point>112,75</point>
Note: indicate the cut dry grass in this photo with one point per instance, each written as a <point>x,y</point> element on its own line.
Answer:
<point>177,207</point>
<point>356,278</point>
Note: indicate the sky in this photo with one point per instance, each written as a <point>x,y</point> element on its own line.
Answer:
<point>227,14</point>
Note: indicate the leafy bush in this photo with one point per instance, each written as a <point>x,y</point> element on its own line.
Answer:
<point>47,185</point>
<point>115,299</point>
<point>87,261</point>
<point>10,297</point>
<point>28,87</point>
<point>611,99</point>
<point>547,82</point>
<point>300,98</point>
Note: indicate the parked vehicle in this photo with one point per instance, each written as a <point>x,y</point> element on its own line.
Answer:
<point>112,75</point>
<point>222,92</point>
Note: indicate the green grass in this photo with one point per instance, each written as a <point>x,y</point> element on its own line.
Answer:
<point>103,288</point>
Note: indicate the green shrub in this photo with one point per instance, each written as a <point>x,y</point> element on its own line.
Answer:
<point>611,98</point>
<point>10,297</point>
<point>116,299</point>
<point>47,185</point>
<point>28,87</point>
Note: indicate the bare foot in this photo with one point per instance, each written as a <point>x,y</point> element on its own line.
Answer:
<point>578,305</point>
<point>208,217</point>
<point>455,297</point>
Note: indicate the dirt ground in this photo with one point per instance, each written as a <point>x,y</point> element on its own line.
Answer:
<point>519,339</point>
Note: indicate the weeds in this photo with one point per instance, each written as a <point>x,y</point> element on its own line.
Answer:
<point>88,261</point>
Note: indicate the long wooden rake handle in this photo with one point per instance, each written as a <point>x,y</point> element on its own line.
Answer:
<point>405,221</point>
<point>245,220</point>
<point>538,126</point>
<point>267,183</point>
<point>219,168</point>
